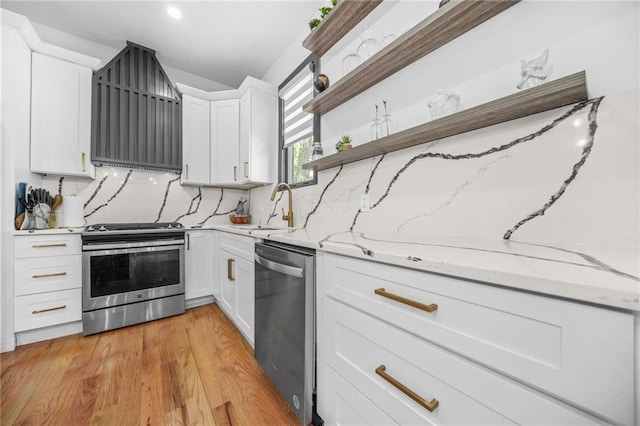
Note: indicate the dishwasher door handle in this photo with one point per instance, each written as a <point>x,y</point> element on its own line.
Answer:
<point>279,267</point>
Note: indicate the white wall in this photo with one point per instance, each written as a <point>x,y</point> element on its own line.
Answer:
<point>14,161</point>
<point>106,53</point>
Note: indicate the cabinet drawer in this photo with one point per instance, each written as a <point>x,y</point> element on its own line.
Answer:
<point>459,391</point>
<point>47,309</point>
<point>539,340</point>
<point>46,274</point>
<point>46,245</point>
<point>237,244</point>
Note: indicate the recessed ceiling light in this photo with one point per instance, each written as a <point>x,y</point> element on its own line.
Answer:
<point>174,12</point>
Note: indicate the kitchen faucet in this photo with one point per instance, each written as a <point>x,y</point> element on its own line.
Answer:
<point>289,216</point>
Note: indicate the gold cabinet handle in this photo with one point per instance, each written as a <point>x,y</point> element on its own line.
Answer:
<point>235,173</point>
<point>230,270</point>
<point>429,405</point>
<point>188,241</point>
<point>186,172</point>
<point>428,308</point>
<point>48,245</point>
<point>55,274</point>
<point>82,162</point>
<point>246,169</point>
<point>57,308</point>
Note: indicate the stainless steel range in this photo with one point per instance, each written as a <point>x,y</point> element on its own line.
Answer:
<point>131,273</point>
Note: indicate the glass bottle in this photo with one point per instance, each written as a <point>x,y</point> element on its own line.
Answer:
<point>376,127</point>
<point>387,126</point>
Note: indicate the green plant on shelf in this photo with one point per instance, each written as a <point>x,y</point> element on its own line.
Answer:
<point>344,143</point>
<point>324,11</point>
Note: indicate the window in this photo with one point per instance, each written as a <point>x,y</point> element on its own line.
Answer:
<point>298,129</point>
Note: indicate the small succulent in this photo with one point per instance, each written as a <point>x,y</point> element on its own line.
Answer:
<point>343,143</point>
<point>324,11</point>
<point>314,23</point>
<point>334,3</point>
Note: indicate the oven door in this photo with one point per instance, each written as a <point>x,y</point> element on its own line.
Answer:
<point>121,275</point>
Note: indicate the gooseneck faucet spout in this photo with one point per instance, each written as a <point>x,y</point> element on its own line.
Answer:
<point>289,216</point>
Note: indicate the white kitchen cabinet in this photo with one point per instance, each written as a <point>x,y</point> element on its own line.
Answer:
<point>236,275</point>
<point>486,354</point>
<point>242,146</point>
<point>198,258</point>
<point>196,154</point>
<point>47,281</point>
<point>225,140</point>
<point>60,117</point>
<point>258,136</point>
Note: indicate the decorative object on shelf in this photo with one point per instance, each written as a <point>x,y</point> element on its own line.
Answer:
<point>370,43</point>
<point>375,127</point>
<point>344,143</point>
<point>314,23</point>
<point>321,82</point>
<point>535,71</point>
<point>387,126</point>
<point>350,62</point>
<point>316,151</point>
<point>444,103</point>
<point>324,11</point>
<point>387,39</point>
<point>55,204</point>
<point>442,3</point>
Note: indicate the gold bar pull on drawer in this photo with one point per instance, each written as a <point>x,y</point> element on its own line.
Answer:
<point>55,274</point>
<point>230,270</point>
<point>428,308</point>
<point>57,308</point>
<point>48,245</point>
<point>429,405</point>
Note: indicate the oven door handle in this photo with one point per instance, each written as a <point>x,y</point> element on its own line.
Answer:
<point>279,267</point>
<point>141,244</point>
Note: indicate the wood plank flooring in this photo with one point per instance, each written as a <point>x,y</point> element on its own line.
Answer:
<point>194,368</point>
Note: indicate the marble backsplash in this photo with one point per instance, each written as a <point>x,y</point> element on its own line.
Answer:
<point>132,195</point>
<point>565,177</point>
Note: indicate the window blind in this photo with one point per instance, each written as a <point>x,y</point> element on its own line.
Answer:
<point>297,124</point>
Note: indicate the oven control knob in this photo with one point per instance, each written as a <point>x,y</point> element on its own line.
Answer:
<point>169,226</point>
<point>102,228</point>
<point>91,228</point>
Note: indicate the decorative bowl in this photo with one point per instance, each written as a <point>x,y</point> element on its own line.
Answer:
<point>244,218</point>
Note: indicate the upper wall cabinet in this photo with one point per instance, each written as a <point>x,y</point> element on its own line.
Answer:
<point>195,141</point>
<point>234,144</point>
<point>258,132</point>
<point>60,117</point>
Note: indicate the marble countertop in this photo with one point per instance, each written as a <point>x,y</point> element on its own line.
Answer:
<point>607,276</point>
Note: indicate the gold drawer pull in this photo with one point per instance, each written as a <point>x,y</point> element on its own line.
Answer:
<point>428,308</point>
<point>246,169</point>
<point>49,245</point>
<point>55,274</point>
<point>83,162</point>
<point>235,173</point>
<point>229,270</point>
<point>57,308</point>
<point>429,405</point>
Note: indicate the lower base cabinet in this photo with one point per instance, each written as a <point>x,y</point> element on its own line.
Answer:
<point>381,361</point>
<point>233,285</point>
<point>198,271</point>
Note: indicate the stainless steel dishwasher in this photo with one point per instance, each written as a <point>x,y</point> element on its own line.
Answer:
<point>285,322</point>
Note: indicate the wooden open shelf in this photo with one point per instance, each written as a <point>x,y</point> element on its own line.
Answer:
<point>557,93</point>
<point>450,21</point>
<point>337,23</point>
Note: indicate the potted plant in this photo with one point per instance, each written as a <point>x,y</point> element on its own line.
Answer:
<point>344,143</point>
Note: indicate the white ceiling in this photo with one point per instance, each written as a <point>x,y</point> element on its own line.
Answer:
<point>221,40</point>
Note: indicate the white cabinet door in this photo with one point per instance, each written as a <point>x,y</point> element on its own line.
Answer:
<point>258,136</point>
<point>225,138</point>
<point>198,265</point>
<point>195,141</point>
<point>217,276</point>
<point>245,297</point>
<point>60,117</point>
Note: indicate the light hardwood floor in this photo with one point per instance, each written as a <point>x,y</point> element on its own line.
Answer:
<point>194,368</point>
